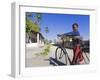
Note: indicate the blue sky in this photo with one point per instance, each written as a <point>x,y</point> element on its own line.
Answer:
<point>62,23</point>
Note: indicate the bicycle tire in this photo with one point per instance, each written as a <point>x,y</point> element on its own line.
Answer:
<point>60,55</point>
<point>87,58</point>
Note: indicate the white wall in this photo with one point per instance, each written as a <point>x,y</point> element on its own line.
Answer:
<point>5,40</point>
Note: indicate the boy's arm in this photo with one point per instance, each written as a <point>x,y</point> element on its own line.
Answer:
<point>72,34</point>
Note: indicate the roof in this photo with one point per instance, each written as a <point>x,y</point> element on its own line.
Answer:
<point>39,33</point>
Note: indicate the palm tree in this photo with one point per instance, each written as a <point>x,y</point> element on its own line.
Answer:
<point>30,25</point>
<point>47,31</point>
<point>38,18</point>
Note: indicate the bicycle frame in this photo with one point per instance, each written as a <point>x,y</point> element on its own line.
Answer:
<point>77,54</point>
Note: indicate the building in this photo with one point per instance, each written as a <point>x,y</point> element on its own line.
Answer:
<point>34,39</point>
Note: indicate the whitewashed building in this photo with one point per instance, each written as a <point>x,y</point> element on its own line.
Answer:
<point>34,39</point>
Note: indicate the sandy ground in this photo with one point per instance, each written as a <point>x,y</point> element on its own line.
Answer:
<point>33,59</point>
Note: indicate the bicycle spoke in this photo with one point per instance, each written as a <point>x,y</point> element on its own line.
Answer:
<point>60,55</point>
<point>86,58</point>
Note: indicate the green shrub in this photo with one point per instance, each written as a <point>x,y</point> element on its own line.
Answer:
<point>46,50</point>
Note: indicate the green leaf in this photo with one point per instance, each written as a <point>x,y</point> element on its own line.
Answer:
<point>31,26</point>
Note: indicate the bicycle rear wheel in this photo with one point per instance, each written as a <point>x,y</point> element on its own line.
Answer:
<point>86,57</point>
<point>60,55</point>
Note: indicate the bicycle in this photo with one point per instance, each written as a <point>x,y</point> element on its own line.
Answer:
<point>61,53</point>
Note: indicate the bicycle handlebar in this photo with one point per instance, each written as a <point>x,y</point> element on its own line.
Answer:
<point>71,36</point>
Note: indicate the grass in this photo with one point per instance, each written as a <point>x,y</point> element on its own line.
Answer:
<point>46,51</point>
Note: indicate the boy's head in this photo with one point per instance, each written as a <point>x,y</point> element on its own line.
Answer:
<point>75,27</point>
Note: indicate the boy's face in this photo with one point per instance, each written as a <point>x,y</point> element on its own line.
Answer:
<point>75,28</point>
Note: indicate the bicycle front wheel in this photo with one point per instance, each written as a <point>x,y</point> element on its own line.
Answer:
<point>60,56</point>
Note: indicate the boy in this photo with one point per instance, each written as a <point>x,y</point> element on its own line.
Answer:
<point>77,56</point>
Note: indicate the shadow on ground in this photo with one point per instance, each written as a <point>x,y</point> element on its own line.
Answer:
<point>54,62</point>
